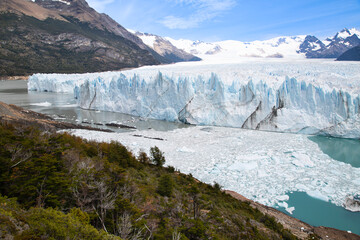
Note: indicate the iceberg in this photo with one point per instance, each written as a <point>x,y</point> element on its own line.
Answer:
<point>307,96</point>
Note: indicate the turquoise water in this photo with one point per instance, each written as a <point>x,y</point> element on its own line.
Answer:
<point>320,213</point>
<point>343,150</point>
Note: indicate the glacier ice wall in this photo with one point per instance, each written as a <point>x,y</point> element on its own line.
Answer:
<point>301,97</point>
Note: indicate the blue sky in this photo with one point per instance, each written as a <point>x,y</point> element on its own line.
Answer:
<point>244,20</point>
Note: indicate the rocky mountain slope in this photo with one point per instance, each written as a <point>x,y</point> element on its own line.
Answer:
<point>61,39</point>
<point>164,47</point>
<point>67,36</point>
<point>331,47</point>
<point>352,54</point>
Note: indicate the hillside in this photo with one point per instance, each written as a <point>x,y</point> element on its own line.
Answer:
<point>100,189</point>
<point>29,45</point>
<point>352,54</point>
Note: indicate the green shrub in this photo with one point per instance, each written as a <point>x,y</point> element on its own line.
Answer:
<point>166,185</point>
<point>157,157</point>
<point>53,224</point>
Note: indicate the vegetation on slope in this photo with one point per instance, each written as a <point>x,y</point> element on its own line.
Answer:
<point>57,186</point>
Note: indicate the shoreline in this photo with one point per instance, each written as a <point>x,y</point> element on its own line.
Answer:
<point>297,227</point>
<point>14,78</point>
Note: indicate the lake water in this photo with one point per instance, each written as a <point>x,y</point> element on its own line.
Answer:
<point>308,209</point>
<point>320,213</point>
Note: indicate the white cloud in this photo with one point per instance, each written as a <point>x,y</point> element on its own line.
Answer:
<point>204,10</point>
<point>99,5</point>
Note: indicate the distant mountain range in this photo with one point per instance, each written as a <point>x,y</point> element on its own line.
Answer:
<point>68,36</point>
<point>302,46</point>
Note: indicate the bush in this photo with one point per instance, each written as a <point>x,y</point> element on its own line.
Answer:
<point>166,185</point>
<point>143,158</point>
<point>53,224</point>
<point>157,157</point>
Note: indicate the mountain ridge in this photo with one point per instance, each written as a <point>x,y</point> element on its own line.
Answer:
<point>300,46</point>
<point>67,36</point>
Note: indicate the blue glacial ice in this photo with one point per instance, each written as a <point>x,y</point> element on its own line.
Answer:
<point>311,97</point>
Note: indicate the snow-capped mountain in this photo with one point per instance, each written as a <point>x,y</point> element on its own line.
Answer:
<point>164,47</point>
<point>332,47</point>
<point>302,46</point>
<point>278,47</point>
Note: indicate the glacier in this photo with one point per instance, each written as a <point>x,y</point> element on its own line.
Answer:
<point>297,96</point>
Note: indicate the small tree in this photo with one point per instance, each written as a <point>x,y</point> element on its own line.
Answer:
<point>157,157</point>
<point>143,157</point>
<point>166,185</point>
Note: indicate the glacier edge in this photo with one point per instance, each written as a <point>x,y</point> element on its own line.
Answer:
<point>285,104</point>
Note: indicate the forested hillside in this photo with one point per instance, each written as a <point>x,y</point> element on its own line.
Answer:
<point>56,186</point>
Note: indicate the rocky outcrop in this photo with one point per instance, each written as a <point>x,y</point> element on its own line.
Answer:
<point>165,49</point>
<point>352,54</point>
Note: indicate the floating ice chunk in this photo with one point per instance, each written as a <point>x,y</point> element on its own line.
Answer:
<point>286,206</point>
<point>283,198</point>
<point>42,104</point>
<point>243,166</point>
<point>290,210</point>
<point>318,195</point>
<point>185,150</point>
<point>302,160</point>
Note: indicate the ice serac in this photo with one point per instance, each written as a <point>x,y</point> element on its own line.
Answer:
<point>312,97</point>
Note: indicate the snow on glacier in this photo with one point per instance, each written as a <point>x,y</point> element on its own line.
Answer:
<point>263,166</point>
<point>303,96</point>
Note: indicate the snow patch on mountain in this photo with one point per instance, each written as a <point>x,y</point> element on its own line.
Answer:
<point>274,48</point>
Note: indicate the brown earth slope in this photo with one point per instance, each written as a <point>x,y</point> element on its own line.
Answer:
<point>14,114</point>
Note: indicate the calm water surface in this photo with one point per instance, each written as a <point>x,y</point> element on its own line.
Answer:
<point>319,213</point>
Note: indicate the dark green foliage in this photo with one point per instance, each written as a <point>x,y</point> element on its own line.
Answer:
<point>196,231</point>
<point>117,153</point>
<point>102,187</point>
<point>166,185</point>
<point>157,157</point>
<point>143,158</point>
<point>40,223</point>
<point>217,186</point>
